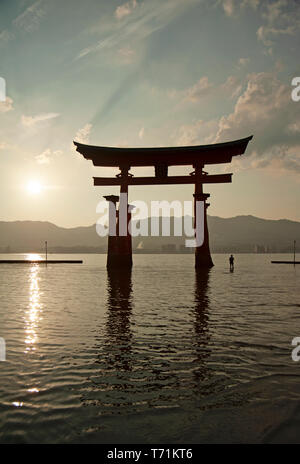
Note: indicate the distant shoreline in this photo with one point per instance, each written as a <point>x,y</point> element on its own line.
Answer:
<point>144,252</point>
<point>242,234</point>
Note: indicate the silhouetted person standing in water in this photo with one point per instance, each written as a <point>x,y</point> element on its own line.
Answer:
<point>231,263</point>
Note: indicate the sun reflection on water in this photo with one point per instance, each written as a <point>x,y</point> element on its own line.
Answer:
<point>33,390</point>
<point>17,404</point>
<point>33,257</point>
<point>33,313</point>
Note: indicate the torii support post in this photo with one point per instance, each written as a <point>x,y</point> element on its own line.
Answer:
<point>112,244</point>
<point>202,253</point>
<point>124,258</point>
<point>119,253</point>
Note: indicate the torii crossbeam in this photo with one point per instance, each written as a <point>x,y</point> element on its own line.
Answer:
<point>119,254</point>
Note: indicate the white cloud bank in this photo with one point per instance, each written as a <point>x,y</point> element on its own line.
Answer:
<point>266,110</point>
<point>83,134</point>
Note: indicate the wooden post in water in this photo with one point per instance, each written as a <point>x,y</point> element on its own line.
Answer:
<point>124,258</point>
<point>202,253</point>
<point>294,252</point>
<point>46,249</point>
<point>112,248</point>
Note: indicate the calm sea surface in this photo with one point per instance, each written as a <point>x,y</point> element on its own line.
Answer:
<point>161,355</point>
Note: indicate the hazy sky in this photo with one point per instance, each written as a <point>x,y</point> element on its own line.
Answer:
<point>147,73</point>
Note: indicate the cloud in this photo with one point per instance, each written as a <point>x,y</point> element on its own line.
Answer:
<point>266,33</point>
<point>264,95</point>
<point>83,134</point>
<point>281,17</point>
<point>197,133</point>
<point>274,9</point>
<point>243,62</point>
<point>193,94</point>
<point>6,105</point>
<point>141,23</point>
<point>228,6</point>
<point>266,110</point>
<point>199,90</point>
<point>203,88</point>
<point>30,19</point>
<point>232,7</point>
<point>232,87</point>
<point>280,159</point>
<point>30,121</point>
<point>47,156</point>
<point>125,9</point>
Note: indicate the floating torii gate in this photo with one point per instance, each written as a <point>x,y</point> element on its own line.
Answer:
<point>119,247</point>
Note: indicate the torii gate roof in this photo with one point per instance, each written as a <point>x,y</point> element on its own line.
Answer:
<point>171,156</point>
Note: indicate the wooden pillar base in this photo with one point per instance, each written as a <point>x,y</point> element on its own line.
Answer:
<point>119,251</point>
<point>203,261</point>
<point>119,261</point>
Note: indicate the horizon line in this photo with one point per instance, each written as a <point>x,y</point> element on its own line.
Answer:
<point>147,217</point>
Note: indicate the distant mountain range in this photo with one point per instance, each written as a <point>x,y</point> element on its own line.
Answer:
<point>242,234</point>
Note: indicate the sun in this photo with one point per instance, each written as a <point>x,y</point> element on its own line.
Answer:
<point>34,187</point>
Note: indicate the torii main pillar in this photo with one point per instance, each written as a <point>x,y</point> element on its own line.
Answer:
<point>119,246</point>
<point>202,253</point>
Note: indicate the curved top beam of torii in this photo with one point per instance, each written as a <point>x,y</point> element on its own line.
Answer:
<point>170,156</point>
